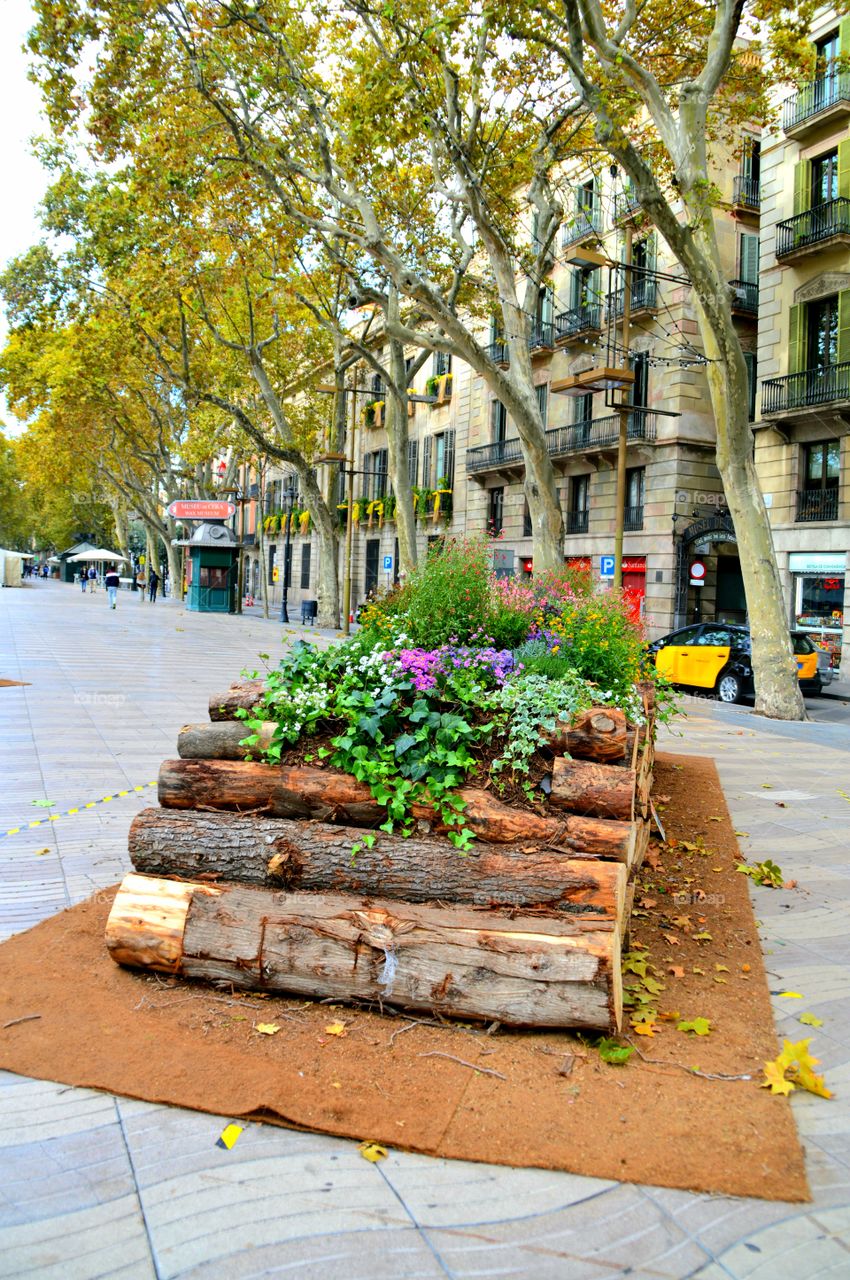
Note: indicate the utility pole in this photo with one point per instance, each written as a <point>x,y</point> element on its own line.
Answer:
<point>624,410</point>
<point>349,524</point>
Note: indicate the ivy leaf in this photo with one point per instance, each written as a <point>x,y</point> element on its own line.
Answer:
<point>698,1026</point>
<point>617,1055</point>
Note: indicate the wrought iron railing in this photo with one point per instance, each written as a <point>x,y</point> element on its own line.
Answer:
<point>809,388</point>
<point>746,192</point>
<point>489,457</point>
<point>625,204</point>
<point>498,352</point>
<point>817,504</point>
<point>577,521</point>
<point>644,291</point>
<point>541,337</point>
<point>578,437</point>
<point>745,296</point>
<point>814,225</point>
<point>578,320</point>
<point>815,97</point>
<point>633,519</point>
<point>584,222</point>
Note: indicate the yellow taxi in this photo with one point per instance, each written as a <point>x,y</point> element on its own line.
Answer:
<point>716,656</point>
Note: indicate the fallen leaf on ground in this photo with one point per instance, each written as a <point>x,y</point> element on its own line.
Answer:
<point>336,1029</point>
<point>227,1138</point>
<point>610,1051</point>
<point>811,1020</point>
<point>372,1151</point>
<point>790,995</point>
<point>267,1028</point>
<point>44,804</point>
<point>671,939</point>
<point>644,1026</point>
<point>794,1067</point>
<point>697,1026</point>
<point>39,853</point>
<point>676,971</point>
<point>721,968</point>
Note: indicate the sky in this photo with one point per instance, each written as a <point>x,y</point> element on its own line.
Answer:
<point>24,180</point>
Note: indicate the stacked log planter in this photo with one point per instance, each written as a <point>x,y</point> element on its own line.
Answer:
<point>259,876</point>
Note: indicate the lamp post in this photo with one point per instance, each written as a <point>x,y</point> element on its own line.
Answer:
<point>290,499</point>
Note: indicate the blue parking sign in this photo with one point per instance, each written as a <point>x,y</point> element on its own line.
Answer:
<point>388,564</point>
<point>606,566</point>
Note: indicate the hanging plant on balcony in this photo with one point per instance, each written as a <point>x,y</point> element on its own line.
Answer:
<point>293,521</point>
<point>272,524</point>
<point>444,389</point>
<point>375,511</point>
<point>390,503</point>
<point>442,501</point>
<point>357,511</point>
<point>304,522</point>
<point>342,513</point>
<point>432,386</point>
<point>422,502</point>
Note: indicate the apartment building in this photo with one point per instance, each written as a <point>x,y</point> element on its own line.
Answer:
<point>803,428</point>
<point>465,459</point>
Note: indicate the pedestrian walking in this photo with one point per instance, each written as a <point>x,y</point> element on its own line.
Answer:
<point>113,582</point>
<point>92,578</point>
<point>153,583</point>
<point>140,583</point>
<point>83,580</point>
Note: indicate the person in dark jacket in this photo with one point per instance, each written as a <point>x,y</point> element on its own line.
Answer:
<point>113,582</point>
<point>153,584</point>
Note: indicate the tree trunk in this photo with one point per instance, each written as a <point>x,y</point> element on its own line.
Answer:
<point>397,449</point>
<point>600,733</point>
<point>305,792</point>
<point>242,696</point>
<point>600,790</point>
<point>312,855</point>
<point>454,961</point>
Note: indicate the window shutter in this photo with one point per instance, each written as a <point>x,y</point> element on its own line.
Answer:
<point>844,166</point>
<point>426,463</point>
<point>449,458</point>
<point>844,326</point>
<point>542,390</point>
<point>844,37</point>
<point>413,461</point>
<point>796,337</point>
<point>575,288</point>
<point>749,267</point>
<point>750,362</point>
<point>595,285</point>
<point>651,251</point>
<point>802,185</point>
<point>547,305</point>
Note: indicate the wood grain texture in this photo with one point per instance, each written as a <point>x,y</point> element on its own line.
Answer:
<point>241,696</point>
<point>596,790</point>
<point>450,960</point>
<point>296,855</point>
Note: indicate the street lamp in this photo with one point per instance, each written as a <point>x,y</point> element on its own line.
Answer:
<point>289,494</point>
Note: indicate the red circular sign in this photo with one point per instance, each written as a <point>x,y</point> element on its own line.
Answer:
<point>697,569</point>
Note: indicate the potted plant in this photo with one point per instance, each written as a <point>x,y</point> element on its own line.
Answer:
<point>390,503</point>
<point>304,522</point>
<point>442,501</point>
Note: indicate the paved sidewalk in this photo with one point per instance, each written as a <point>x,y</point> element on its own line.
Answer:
<point>99,1186</point>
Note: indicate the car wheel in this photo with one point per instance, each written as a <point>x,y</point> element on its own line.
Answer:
<point>729,687</point>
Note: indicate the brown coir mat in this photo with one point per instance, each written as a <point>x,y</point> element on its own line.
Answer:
<point>518,1098</point>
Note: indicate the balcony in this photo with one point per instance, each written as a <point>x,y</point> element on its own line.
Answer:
<point>807,390</point>
<point>577,521</point>
<point>823,101</point>
<point>633,519</point>
<point>626,205</point>
<point>577,323</point>
<point>825,226</point>
<point>498,353</point>
<point>644,293</point>
<point>746,193</point>
<point>816,504</point>
<point>585,222</point>
<point>541,338</point>
<point>561,442</point>
<point>745,297</point>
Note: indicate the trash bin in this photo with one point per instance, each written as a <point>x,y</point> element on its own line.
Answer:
<point>309,611</point>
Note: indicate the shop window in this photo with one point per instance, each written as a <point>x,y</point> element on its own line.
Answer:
<point>213,577</point>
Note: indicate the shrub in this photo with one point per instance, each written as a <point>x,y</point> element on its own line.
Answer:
<point>447,598</point>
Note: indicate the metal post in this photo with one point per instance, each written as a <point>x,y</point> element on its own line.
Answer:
<point>240,576</point>
<point>622,443</point>
<point>349,528</point>
<point>284,611</point>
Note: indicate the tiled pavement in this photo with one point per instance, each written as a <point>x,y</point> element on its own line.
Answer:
<point>92,1185</point>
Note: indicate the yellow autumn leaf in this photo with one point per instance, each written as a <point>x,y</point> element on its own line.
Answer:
<point>336,1029</point>
<point>267,1028</point>
<point>372,1151</point>
<point>791,995</point>
<point>774,1079</point>
<point>811,1020</point>
<point>644,1026</point>
<point>794,1068</point>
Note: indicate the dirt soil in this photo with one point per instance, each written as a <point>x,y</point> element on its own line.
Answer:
<point>524,1098</point>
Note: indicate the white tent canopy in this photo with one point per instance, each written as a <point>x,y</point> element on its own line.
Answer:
<point>97,553</point>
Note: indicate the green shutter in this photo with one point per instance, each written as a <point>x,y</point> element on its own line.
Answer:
<point>844,37</point>
<point>651,251</point>
<point>844,326</point>
<point>595,285</point>
<point>796,338</point>
<point>749,258</point>
<point>802,186</point>
<point>844,168</point>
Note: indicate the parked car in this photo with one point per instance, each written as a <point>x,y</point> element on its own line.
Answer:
<point>717,656</point>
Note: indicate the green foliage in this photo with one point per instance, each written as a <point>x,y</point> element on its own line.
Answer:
<point>530,703</point>
<point>765,873</point>
<point>447,598</point>
<point>614,1053</point>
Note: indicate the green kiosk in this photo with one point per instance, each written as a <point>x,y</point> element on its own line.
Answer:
<point>212,568</point>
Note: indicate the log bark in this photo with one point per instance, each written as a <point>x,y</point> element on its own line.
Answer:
<point>298,855</point>
<point>599,733</point>
<point>307,792</point>
<point>242,696</point>
<point>521,971</point>
<point>220,740</point>
<point>597,790</point>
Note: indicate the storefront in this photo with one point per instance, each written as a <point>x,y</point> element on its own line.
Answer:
<point>818,597</point>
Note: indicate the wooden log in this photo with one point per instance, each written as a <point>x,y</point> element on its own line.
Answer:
<point>241,696</point>
<point>221,740</point>
<point>597,790</point>
<point>450,960</point>
<point>598,734</point>
<point>299,855</point>
<point>306,792</point>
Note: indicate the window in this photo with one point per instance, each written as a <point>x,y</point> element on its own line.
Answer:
<point>542,390</point>
<point>413,461</point>
<point>214,578</point>
<point>373,548</point>
<point>690,635</point>
<point>495,510</point>
<point>586,198</point>
<point>498,421</point>
<point>527,530</point>
<point>748,259</point>
<point>585,287</point>
<point>824,178</point>
<point>375,480</point>
<point>827,52</point>
<point>635,479</point>
<point>442,363</point>
<point>426,462</point>
<point>305,566</point>
<point>577,515</point>
<point>444,459</point>
<point>376,386</point>
<point>751,161</point>
<point>716,636</point>
<point>823,464</point>
<point>272,550</point>
<point>640,391</point>
<point>822,333</point>
<point>583,412</point>
<point>751,362</point>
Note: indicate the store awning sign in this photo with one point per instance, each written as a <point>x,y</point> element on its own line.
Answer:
<point>817,562</point>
